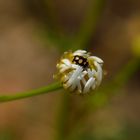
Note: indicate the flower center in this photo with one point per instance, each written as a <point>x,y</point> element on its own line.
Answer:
<point>81,61</point>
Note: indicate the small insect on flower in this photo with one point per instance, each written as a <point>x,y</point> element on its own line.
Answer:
<point>79,71</point>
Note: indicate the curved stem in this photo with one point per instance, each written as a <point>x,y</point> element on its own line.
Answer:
<point>35,92</point>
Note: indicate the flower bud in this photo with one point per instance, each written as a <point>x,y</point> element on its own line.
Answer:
<point>79,71</point>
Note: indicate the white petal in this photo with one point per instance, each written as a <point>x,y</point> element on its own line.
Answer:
<point>79,87</point>
<point>93,86</point>
<point>81,53</point>
<point>98,73</point>
<point>82,77</point>
<point>99,60</point>
<point>66,61</point>
<point>83,81</point>
<point>73,87</point>
<point>74,76</point>
<point>67,77</point>
<point>63,68</point>
<point>88,85</point>
<point>74,66</point>
<point>91,73</point>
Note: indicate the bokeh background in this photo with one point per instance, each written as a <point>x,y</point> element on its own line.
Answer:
<point>34,34</point>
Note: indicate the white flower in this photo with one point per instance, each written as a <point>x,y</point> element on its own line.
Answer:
<point>79,71</point>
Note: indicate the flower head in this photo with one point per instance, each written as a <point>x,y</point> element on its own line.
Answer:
<point>79,71</point>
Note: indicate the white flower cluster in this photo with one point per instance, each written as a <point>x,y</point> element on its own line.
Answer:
<point>79,71</point>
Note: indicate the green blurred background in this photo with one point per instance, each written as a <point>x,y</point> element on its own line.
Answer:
<point>34,34</point>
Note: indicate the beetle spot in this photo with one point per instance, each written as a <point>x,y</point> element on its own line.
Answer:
<point>81,61</point>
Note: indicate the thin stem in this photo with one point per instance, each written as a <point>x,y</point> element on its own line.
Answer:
<point>63,117</point>
<point>36,92</point>
<point>89,24</point>
<point>129,69</point>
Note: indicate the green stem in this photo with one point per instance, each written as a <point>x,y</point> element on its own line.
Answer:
<point>36,92</point>
<point>89,24</point>
<point>127,72</point>
<point>63,117</point>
